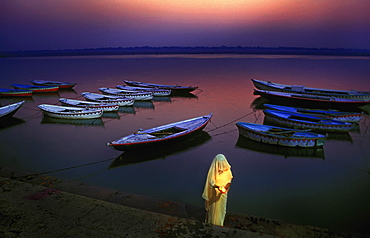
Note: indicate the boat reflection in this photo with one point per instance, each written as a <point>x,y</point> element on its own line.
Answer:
<point>46,95</point>
<point>258,103</point>
<point>67,90</point>
<point>10,122</point>
<point>80,122</point>
<point>112,115</point>
<point>144,104</point>
<point>184,95</point>
<point>340,136</point>
<point>139,156</point>
<point>161,99</point>
<point>127,110</point>
<point>249,144</point>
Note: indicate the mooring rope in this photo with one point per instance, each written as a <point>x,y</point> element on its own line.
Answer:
<point>58,170</point>
<point>233,121</point>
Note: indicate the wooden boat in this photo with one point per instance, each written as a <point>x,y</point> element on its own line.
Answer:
<point>161,152</point>
<point>162,134</point>
<point>70,112</point>
<point>35,88</point>
<point>61,85</point>
<point>312,101</point>
<point>174,88</point>
<point>6,92</point>
<point>286,151</point>
<point>143,96</point>
<point>304,121</point>
<point>299,89</point>
<point>107,99</point>
<point>280,136</point>
<point>9,110</point>
<point>156,91</point>
<point>329,114</point>
<point>87,104</point>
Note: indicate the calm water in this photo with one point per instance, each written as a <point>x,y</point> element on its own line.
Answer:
<point>325,188</point>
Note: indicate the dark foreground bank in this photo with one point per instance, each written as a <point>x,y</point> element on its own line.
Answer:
<point>43,206</point>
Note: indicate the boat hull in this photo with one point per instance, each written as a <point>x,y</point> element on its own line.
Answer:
<point>140,96</point>
<point>61,85</point>
<point>74,113</point>
<point>306,152</point>
<point>156,92</point>
<point>270,86</point>
<point>91,105</point>
<point>301,121</point>
<point>329,114</point>
<point>9,110</point>
<point>173,88</point>
<point>4,92</point>
<point>312,101</point>
<point>36,89</point>
<point>112,100</point>
<point>145,139</point>
<point>295,139</point>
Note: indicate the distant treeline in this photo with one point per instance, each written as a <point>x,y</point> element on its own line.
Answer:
<point>147,50</point>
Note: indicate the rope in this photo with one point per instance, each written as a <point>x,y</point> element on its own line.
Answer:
<point>58,170</point>
<point>233,121</point>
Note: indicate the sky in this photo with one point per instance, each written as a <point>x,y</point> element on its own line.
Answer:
<point>76,24</point>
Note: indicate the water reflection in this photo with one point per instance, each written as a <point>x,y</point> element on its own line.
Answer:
<point>10,122</point>
<point>258,103</point>
<point>227,91</point>
<point>130,110</point>
<point>144,104</point>
<point>162,99</point>
<point>134,157</point>
<point>79,122</point>
<point>112,115</point>
<point>249,144</point>
<point>340,136</point>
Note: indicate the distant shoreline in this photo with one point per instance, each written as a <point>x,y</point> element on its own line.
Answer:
<point>146,50</point>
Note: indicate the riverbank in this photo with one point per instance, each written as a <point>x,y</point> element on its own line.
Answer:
<point>43,206</point>
<point>174,50</point>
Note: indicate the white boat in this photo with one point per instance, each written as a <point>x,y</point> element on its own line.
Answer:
<point>143,96</point>
<point>70,112</point>
<point>87,104</point>
<point>9,110</point>
<point>161,135</point>
<point>156,91</point>
<point>280,136</point>
<point>107,99</point>
<point>174,88</point>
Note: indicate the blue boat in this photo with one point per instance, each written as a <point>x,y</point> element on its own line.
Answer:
<point>160,135</point>
<point>280,136</point>
<point>329,113</point>
<point>304,121</point>
<point>35,88</point>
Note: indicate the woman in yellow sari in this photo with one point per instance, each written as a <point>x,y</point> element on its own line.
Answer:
<point>215,190</point>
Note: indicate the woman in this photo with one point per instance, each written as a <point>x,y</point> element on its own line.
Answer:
<point>215,190</point>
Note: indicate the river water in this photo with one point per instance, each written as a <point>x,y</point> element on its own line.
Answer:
<point>328,187</point>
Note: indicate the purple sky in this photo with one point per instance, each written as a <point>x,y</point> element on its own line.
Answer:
<point>72,24</point>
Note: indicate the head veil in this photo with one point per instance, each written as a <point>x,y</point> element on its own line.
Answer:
<point>219,165</point>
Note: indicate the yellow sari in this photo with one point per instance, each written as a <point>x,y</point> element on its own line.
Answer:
<point>215,190</point>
